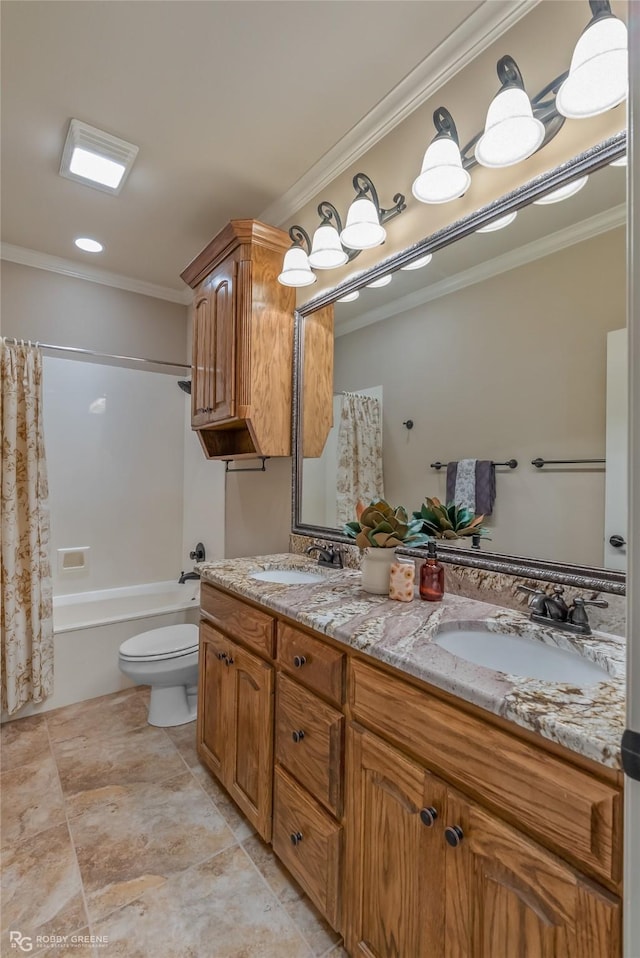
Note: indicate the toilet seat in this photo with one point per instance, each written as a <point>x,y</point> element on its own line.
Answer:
<point>170,642</point>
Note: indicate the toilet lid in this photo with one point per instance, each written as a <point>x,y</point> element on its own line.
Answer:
<point>171,640</point>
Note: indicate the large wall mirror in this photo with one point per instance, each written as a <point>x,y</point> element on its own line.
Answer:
<point>508,346</point>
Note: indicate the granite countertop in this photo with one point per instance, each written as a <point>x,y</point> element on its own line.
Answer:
<point>588,720</point>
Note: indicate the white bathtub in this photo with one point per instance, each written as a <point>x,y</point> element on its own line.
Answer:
<point>90,627</point>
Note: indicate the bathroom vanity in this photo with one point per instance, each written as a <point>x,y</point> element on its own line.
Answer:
<point>428,806</point>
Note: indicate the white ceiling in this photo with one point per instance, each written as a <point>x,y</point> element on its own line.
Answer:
<point>230,103</point>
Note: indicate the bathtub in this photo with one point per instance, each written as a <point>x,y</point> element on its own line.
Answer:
<point>89,628</point>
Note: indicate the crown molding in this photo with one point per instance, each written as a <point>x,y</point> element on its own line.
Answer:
<point>469,40</point>
<point>93,274</point>
<point>586,229</point>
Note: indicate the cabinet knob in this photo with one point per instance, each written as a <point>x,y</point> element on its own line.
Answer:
<point>617,542</point>
<point>296,838</point>
<point>299,661</point>
<point>222,655</point>
<point>428,816</point>
<point>228,660</point>
<point>453,835</point>
<point>297,736</point>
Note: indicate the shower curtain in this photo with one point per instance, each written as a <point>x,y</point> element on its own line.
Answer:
<point>359,454</point>
<point>26,614</point>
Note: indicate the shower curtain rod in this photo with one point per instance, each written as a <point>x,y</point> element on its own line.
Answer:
<point>90,352</point>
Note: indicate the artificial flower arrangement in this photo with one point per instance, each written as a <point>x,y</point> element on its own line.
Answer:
<point>447,521</point>
<point>380,526</point>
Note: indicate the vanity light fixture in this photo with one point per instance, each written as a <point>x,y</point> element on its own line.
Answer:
<point>383,281</point>
<point>511,132</point>
<point>327,251</point>
<point>442,177</point>
<point>498,224</point>
<point>563,193</point>
<point>350,297</point>
<point>88,245</point>
<point>365,216</point>
<point>597,79</point>
<point>621,161</point>
<point>295,269</point>
<point>95,158</point>
<point>419,263</point>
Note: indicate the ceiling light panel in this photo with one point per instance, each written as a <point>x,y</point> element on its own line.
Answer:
<point>96,158</point>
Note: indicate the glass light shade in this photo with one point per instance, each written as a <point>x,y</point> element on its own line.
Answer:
<point>442,177</point>
<point>563,193</point>
<point>363,229</point>
<point>349,298</point>
<point>419,263</point>
<point>88,245</point>
<point>597,77</point>
<point>511,132</point>
<point>621,161</point>
<point>326,249</point>
<point>498,224</point>
<point>383,281</point>
<point>295,269</point>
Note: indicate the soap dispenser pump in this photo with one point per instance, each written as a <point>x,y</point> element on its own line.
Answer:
<point>432,576</point>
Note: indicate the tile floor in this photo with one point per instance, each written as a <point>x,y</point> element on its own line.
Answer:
<point>112,828</point>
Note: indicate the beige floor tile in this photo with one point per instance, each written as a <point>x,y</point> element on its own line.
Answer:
<point>41,891</point>
<point>232,815</point>
<point>142,837</point>
<point>318,934</point>
<point>100,717</point>
<point>85,764</point>
<point>219,909</point>
<point>184,739</point>
<point>30,800</point>
<point>283,885</point>
<point>23,741</point>
<point>337,952</point>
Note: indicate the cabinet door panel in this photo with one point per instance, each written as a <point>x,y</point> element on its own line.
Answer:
<point>395,864</point>
<point>212,730</point>
<point>202,357</point>
<point>222,377</point>
<point>507,897</point>
<point>249,778</point>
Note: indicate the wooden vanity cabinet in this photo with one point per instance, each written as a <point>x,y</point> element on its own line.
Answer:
<point>241,375</point>
<point>235,723</point>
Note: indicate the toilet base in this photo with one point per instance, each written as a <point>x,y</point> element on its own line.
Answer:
<point>172,705</point>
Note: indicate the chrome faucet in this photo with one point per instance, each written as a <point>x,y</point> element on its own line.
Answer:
<point>551,609</point>
<point>327,557</point>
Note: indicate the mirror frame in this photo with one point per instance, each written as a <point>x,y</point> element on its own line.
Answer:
<point>582,577</point>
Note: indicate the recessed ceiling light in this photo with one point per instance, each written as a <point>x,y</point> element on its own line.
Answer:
<point>95,158</point>
<point>349,298</point>
<point>498,224</point>
<point>383,281</point>
<point>88,245</point>
<point>419,263</point>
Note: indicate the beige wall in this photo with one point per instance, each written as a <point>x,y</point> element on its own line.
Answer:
<point>258,509</point>
<point>513,367</point>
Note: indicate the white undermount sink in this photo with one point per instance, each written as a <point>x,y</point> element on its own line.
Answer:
<point>287,576</point>
<point>519,655</point>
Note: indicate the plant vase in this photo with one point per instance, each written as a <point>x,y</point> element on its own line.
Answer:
<point>376,567</point>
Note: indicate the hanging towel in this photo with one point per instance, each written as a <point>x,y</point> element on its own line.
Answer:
<point>471,484</point>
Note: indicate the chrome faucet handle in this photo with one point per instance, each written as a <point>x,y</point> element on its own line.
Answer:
<point>578,614</point>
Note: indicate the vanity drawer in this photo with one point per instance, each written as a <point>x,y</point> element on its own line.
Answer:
<point>241,621</point>
<point>554,801</point>
<point>309,741</point>
<point>316,665</point>
<point>309,843</point>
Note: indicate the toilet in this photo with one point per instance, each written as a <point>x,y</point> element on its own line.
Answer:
<point>167,660</point>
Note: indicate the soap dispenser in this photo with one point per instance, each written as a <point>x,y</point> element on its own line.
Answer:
<point>432,576</point>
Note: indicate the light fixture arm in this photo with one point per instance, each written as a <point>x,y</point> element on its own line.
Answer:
<point>364,185</point>
<point>300,237</point>
<point>600,9</point>
<point>509,73</point>
<point>444,124</point>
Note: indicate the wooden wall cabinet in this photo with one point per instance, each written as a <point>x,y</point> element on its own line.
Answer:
<point>241,376</point>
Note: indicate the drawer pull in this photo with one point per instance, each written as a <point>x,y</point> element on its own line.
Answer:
<point>296,838</point>
<point>222,655</point>
<point>428,816</point>
<point>453,835</point>
<point>299,661</point>
<point>228,660</point>
<point>297,736</point>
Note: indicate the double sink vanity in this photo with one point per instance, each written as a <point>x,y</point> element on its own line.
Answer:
<point>431,774</point>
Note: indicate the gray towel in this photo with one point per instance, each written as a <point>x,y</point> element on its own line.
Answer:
<point>485,485</point>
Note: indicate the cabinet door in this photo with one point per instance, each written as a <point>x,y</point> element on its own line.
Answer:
<point>394,879</point>
<point>214,345</point>
<point>250,773</point>
<point>212,730</point>
<point>508,897</point>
